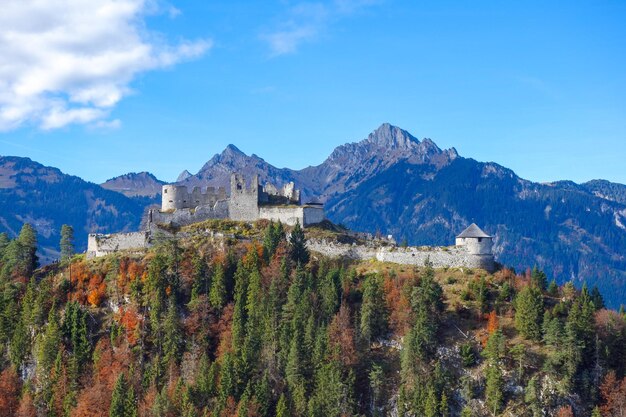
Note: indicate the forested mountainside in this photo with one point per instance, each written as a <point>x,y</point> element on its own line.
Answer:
<point>47,198</point>
<point>255,325</point>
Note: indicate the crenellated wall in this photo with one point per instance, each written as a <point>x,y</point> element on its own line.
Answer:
<point>176,197</point>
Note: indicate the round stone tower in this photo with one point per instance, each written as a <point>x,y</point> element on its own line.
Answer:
<point>475,241</point>
<point>174,197</point>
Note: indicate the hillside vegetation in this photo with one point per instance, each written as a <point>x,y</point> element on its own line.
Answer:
<point>258,326</point>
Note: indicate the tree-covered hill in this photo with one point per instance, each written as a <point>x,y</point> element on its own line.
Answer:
<point>206,326</point>
<point>47,198</point>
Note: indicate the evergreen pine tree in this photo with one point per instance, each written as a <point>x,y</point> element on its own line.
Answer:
<point>596,298</point>
<point>67,242</point>
<point>494,393</point>
<point>118,398</point>
<point>538,278</point>
<point>28,239</point>
<point>282,408</point>
<point>373,309</point>
<point>553,289</point>
<point>217,295</point>
<point>444,409</point>
<point>529,312</point>
<point>172,334</point>
<point>298,251</point>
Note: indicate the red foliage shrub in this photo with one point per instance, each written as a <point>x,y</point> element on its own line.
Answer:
<point>341,337</point>
<point>10,387</point>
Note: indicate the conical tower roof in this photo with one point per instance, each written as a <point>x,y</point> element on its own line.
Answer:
<point>473,231</point>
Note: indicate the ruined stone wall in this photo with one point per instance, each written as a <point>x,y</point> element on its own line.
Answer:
<point>174,197</point>
<point>104,244</point>
<point>286,215</point>
<point>441,257</point>
<point>185,216</point>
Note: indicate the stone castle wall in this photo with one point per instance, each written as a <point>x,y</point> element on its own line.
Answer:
<point>440,257</point>
<point>176,197</point>
<point>305,215</point>
<point>183,217</point>
<point>104,244</point>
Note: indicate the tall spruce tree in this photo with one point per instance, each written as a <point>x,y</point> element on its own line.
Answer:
<point>67,242</point>
<point>373,309</point>
<point>529,312</point>
<point>118,398</point>
<point>298,251</point>
<point>539,278</point>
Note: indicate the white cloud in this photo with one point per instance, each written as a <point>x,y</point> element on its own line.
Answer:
<point>305,22</point>
<point>72,61</point>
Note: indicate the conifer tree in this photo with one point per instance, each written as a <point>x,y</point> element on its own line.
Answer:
<point>67,242</point>
<point>444,409</point>
<point>28,241</point>
<point>596,298</point>
<point>172,340</point>
<point>282,408</point>
<point>274,233</point>
<point>494,388</point>
<point>298,251</point>
<point>529,312</point>
<point>217,295</point>
<point>118,398</point>
<point>553,289</point>
<point>538,278</point>
<point>373,309</point>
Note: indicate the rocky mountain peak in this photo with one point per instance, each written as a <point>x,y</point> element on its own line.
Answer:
<point>392,137</point>
<point>183,176</point>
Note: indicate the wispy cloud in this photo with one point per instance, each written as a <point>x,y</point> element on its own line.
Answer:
<point>305,22</point>
<point>72,61</point>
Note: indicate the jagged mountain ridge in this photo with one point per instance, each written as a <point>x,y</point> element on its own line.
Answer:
<point>135,184</point>
<point>344,169</point>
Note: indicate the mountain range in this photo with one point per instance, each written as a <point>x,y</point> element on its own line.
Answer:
<point>390,182</point>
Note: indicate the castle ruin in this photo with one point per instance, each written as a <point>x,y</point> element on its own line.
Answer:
<point>250,202</point>
<point>247,202</point>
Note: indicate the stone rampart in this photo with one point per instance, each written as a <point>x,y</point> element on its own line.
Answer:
<point>104,244</point>
<point>440,257</point>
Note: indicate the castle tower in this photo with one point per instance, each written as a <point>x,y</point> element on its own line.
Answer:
<point>174,197</point>
<point>243,204</point>
<point>475,240</point>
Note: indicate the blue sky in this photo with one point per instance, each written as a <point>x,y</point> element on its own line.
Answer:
<point>539,88</point>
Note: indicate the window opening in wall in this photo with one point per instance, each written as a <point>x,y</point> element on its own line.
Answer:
<point>480,239</point>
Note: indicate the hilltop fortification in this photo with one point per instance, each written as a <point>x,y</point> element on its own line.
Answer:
<point>246,202</point>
